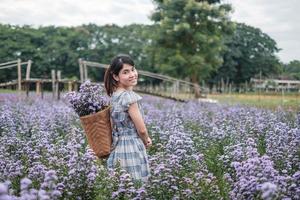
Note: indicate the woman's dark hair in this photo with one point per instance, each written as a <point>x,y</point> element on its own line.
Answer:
<point>115,67</point>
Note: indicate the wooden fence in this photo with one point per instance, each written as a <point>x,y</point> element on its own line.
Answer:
<point>24,84</point>
<point>149,83</point>
<point>17,63</point>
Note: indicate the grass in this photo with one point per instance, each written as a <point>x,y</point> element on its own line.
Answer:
<point>289,101</point>
<point>8,91</point>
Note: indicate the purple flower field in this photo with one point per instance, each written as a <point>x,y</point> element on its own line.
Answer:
<point>200,151</point>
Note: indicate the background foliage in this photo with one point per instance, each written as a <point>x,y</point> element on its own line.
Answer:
<point>192,40</point>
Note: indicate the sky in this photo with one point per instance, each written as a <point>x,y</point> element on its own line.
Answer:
<point>277,18</point>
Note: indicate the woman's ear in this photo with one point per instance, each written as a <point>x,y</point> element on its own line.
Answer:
<point>115,77</point>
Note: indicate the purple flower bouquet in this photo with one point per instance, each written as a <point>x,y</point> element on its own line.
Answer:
<point>93,108</point>
<point>89,100</point>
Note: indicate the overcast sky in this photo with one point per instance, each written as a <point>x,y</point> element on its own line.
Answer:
<point>278,18</point>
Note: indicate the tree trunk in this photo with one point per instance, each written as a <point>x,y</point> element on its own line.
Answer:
<point>196,86</point>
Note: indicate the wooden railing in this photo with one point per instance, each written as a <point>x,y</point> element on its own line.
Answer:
<point>151,83</point>
<point>17,63</point>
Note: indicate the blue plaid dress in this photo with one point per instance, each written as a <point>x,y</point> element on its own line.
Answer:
<point>128,148</point>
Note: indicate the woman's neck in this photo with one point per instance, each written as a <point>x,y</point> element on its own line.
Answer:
<point>123,89</point>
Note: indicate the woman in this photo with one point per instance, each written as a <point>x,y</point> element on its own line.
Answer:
<point>130,136</point>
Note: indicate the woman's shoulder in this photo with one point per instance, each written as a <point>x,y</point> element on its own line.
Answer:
<point>127,97</point>
<point>126,94</point>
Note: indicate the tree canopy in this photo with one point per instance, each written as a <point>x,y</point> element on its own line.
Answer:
<point>60,47</point>
<point>249,52</point>
<point>190,36</point>
<point>191,39</point>
<point>292,69</point>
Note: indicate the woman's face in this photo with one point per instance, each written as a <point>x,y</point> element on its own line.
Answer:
<point>127,77</point>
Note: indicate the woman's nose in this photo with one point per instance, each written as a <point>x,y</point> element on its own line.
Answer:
<point>132,73</point>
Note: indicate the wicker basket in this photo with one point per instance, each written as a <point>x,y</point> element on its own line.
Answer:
<point>98,132</point>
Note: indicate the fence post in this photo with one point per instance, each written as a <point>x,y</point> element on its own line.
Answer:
<point>85,71</point>
<point>27,85</point>
<point>75,86</point>
<point>53,82</point>
<point>58,83</point>
<point>222,85</point>
<point>175,88</point>
<point>69,86</point>
<point>19,75</point>
<point>81,70</point>
<point>42,89</point>
<point>38,88</point>
<point>28,69</point>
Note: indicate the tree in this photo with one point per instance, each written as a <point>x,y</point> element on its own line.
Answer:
<point>249,52</point>
<point>109,40</point>
<point>17,42</point>
<point>190,37</point>
<point>292,69</point>
<point>59,48</point>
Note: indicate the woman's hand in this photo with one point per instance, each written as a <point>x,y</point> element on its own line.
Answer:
<point>149,142</point>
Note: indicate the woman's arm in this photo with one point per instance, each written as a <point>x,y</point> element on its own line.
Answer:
<point>111,124</point>
<point>138,121</point>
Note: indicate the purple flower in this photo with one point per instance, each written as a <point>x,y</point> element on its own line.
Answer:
<point>269,191</point>
<point>25,183</point>
<point>90,99</point>
<point>3,189</point>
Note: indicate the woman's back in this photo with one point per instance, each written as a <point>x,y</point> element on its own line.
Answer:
<point>128,148</point>
<point>120,102</point>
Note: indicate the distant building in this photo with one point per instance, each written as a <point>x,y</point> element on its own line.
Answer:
<point>275,84</point>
